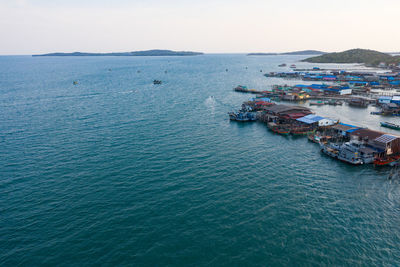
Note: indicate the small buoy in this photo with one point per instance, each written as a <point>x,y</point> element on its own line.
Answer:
<point>75,83</point>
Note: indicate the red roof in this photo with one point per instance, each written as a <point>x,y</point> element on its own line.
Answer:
<point>296,115</point>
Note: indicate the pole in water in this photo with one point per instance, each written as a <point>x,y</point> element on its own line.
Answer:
<point>226,69</point>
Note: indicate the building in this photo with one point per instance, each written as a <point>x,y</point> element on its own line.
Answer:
<point>389,144</point>
<point>345,129</point>
<point>312,119</point>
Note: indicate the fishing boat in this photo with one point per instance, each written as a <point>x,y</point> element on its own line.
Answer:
<point>347,152</point>
<point>331,150</point>
<point>282,131</point>
<point>384,161</point>
<point>334,102</point>
<point>242,116</point>
<point>377,113</point>
<point>358,102</point>
<point>157,82</point>
<point>276,128</point>
<point>282,65</point>
<point>317,103</point>
<point>318,139</point>
<point>390,125</point>
<point>301,131</point>
<point>293,66</point>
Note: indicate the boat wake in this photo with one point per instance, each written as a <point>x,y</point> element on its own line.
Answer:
<point>210,102</point>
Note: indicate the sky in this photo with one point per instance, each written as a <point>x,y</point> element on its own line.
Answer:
<point>210,26</point>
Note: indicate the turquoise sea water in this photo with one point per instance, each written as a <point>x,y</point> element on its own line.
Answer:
<point>116,170</point>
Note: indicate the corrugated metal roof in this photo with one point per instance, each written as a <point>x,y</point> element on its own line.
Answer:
<point>305,120</point>
<point>367,133</point>
<point>311,118</point>
<point>345,127</point>
<point>386,138</point>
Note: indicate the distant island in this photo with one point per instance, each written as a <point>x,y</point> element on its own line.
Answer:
<point>303,52</point>
<point>135,53</point>
<point>368,57</point>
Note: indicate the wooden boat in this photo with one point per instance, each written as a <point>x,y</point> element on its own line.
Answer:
<point>282,131</point>
<point>301,131</point>
<point>390,125</point>
<point>282,65</point>
<point>318,139</point>
<point>276,128</point>
<point>317,103</point>
<point>334,102</point>
<point>157,82</point>
<point>384,161</point>
<point>357,102</point>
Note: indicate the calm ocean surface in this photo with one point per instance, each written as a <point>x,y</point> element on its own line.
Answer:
<point>116,170</point>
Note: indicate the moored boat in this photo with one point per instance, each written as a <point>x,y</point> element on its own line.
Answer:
<point>242,116</point>
<point>384,161</point>
<point>348,152</point>
<point>331,150</point>
<point>301,131</point>
<point>390,125</point>
<point>317,103</point>
<point>377,113</point>
<point>276,128</point>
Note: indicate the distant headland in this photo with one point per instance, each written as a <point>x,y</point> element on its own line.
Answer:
<point>303,52</point>
<point>368,57</point>
<point>155,52</point>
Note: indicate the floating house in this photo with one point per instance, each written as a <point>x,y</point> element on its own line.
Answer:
<point>345,129</point>
<point>389,144</point>
<point>312,119</point>
<point>364,134</point>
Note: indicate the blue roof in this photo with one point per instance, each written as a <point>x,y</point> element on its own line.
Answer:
<point>353,128</point>
<point>309,119</point>
<point>359,82</point>
<point>348,125</point>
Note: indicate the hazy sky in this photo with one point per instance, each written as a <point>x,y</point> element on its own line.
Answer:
<point>40,26</point>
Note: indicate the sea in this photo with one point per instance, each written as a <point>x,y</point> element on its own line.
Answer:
<point>114,170</point>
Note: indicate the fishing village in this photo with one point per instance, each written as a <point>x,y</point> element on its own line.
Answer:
<point>352,144</point>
